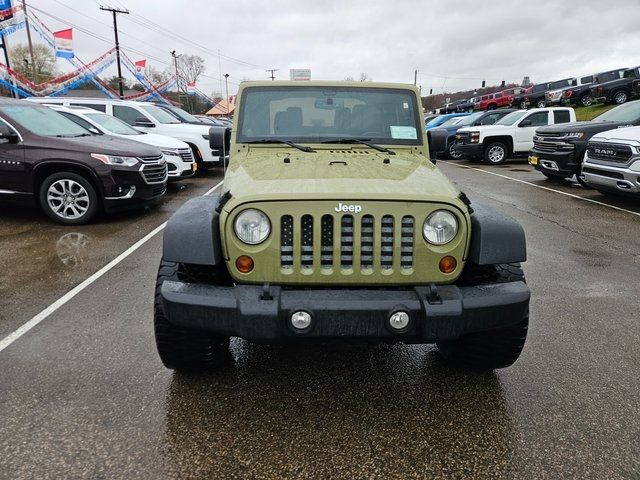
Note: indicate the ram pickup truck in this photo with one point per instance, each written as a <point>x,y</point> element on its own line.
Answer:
<point>580,94</point>
<point>512,135</point>
<point>558,150</point>
<point>619,90</point>
<point>612,162</point>
<point>332,224</point>
<point>488,117</point>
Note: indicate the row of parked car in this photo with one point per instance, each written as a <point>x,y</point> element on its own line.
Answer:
<point>75,157</point>
<point>603,153</point>
<point>612,86</point>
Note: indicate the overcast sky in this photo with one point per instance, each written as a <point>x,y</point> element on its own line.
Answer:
<point>453,44</point>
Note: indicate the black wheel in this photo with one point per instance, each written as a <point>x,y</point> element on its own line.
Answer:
<point>68,198</point>
<point>182,348</point>
<point>495,348</point>
<point>620,97</point>
<point>523,105</point>
<point>541,104</point>
<point>453,153</point>
<point>495,153</point>
<point>586,100</point>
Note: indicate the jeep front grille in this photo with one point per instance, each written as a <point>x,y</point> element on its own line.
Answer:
<point>355,238</point>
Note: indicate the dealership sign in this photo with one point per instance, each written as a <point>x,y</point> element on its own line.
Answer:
<point>300,74</point>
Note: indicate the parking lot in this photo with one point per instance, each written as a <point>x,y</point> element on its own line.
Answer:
<point>83,393</point>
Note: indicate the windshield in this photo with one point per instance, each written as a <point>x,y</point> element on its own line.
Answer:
<point>469,119</point>
<point>511,118</point>
<point>183,115</point>
<point>43,121</point>
<point>451,121</point>
<point>435,121</point>
<point>320,114</point>
<point>628,112</point>
<point>159,115</point>
<point>112,124</point>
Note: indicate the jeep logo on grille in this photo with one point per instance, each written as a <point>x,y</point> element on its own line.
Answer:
<point>603,151</point>
<point>343,207</point>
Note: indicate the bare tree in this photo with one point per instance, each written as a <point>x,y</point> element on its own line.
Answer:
<point>364,77</point>
<point>156,76</point>
<point>44,58</point>
<point>190,67</point>
<point>349,79</point>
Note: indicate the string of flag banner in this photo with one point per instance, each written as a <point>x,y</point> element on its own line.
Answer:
<point>13,19</point>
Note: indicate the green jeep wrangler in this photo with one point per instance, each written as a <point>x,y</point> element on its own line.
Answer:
<point>333,223</point>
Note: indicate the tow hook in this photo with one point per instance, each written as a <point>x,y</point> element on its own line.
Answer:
<point>433,297</point>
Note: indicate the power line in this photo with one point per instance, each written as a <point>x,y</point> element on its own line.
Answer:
<point>115,13</point>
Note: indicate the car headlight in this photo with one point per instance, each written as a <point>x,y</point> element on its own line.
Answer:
<point>252,226</point>
<point>475,137</point>
<point>440,227</point>
<point>171,153</point>
<point>575,135</point>
<point>115,160</point>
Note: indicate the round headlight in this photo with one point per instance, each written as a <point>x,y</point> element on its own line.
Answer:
<point>440,227</point>
<point>252,226</point>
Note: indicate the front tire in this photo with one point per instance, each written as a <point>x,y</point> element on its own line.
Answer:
<point>586,100</point>
<point>181,348</point>
<point>68,198</point>
<point>453,153</point>
<point>620,97</point>
<point>541,104</point>
<point>495,153</point>
<point>495,348</point>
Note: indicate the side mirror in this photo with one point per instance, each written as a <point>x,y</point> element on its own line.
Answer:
<point>220,139</point>
<point>144,122</point>
<point>525,123</point>
<point>437,139</point>
<point>9,134</point>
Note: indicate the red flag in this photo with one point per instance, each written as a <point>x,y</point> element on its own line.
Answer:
<point>140,64</point>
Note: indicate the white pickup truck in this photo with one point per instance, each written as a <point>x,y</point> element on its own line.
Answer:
<point>512,135</point>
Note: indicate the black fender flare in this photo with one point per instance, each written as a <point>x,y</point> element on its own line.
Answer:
<point>495,237</point>
<point>192,234</point>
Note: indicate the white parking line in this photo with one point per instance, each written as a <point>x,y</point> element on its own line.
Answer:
<point>544,188</point>
<point>16,334</point>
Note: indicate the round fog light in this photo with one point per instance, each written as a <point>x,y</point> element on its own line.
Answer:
<point>448,264</point>
<point>301,320</point>
<point>399,320</point>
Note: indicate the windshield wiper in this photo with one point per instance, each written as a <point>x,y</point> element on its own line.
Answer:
<point>286,142</point>
<point>74,136</point>
<point>362,141</point>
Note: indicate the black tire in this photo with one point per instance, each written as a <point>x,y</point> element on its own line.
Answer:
<point>91,205</point>
<point>181,348</point>
<point>491,156</point>
<point>586,100</point>
<point>620,97</point>
<point>495,348</point>
<point>523,105</point>
<point>541,104</point>
<point>454,154</point>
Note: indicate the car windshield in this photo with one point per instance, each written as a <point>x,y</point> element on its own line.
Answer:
<point>435,121</point>
<point>469,119</point>
<point>159,115</point>
<point>309,114</point>
<point>628,112</point>
<point>511,118</point>
<point>183,115</point>
<point>43,121</point>
<point>112,124</point>
<point>451,121</point>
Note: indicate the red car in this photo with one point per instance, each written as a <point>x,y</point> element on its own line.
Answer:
<point>497,100</point>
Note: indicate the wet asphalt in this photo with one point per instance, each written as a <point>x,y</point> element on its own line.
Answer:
<point>84,395</point>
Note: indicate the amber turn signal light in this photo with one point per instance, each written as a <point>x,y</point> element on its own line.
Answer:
<point>244,264</point>
<point>448,264</point>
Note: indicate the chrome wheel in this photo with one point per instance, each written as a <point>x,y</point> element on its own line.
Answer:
<point>541,104</point>
<point>496,154</point>
<point>68,199</point>
<point>620,97</point>
<point>453,153</point>
<point>586,101</point>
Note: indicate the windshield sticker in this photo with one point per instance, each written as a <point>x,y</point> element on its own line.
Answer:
<point>404,133</point>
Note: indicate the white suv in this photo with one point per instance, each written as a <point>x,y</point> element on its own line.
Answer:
<point>147,117</point>
<point>179,157</point>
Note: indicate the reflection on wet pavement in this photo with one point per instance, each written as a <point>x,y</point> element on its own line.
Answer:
<point>338,411</point>
<point>72,248</point>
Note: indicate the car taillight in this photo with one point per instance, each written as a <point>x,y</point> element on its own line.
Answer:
<point>568,93</point>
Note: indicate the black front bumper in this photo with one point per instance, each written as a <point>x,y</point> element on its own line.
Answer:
<point>470,150</point>
<point>566,163</point>
<point>444,312</point>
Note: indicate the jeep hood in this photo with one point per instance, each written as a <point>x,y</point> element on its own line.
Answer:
<point>261,175</point>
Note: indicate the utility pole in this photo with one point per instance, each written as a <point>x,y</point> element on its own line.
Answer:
<point>26,24</point>
<point>226,85</point>
<point>273,71</point>
<point>115,11</point>
<point>175,64</point>
<point>415,77</point>
<point>5,48</point>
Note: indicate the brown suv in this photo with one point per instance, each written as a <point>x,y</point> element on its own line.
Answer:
<point>48,160</point>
